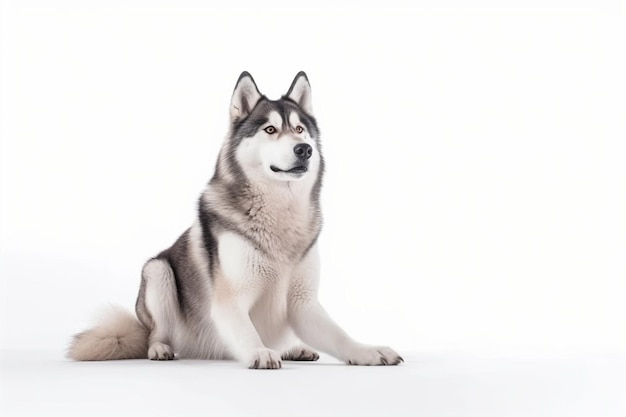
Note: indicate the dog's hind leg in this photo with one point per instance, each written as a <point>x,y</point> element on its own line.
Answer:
<point>300,352</point>
<point>157,307</point>
<point>294,350</point>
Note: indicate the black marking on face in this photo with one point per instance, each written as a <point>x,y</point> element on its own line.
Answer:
<point>250,125</point>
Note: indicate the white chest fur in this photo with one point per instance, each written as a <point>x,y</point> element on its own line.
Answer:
<point>243,265</point>
<point>256,281</point>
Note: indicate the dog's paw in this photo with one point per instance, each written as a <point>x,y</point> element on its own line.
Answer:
<point>373,355</point>
<point>300,353</point>
<point>265,359</point>
<point>160,352</point>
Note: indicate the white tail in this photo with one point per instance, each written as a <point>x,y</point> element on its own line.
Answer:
<point>117,335</point>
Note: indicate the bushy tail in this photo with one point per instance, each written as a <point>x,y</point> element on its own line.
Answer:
<point>117,335</point>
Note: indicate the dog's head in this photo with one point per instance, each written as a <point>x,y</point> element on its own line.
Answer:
<point>273,140</point>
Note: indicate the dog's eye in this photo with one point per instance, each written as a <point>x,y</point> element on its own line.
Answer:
<point>270,129</point>
<point>299,129</point>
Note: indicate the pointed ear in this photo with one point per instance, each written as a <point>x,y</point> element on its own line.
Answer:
<point>245,97</point>
<point>300,92</point>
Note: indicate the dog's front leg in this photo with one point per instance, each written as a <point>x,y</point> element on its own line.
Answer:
<point>314,326</point>
<point>233,324</point>
<point>235,290</point>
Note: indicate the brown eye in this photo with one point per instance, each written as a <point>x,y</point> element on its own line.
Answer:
<point>270,129</point>
<point>299,129</point>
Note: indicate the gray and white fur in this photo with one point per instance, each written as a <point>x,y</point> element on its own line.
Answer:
<point>242,282</point>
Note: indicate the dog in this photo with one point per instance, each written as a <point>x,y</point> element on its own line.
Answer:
<point>242,282</point>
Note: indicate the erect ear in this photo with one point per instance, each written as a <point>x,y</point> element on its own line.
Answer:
<point>245,97</point>
<point>300,92</point>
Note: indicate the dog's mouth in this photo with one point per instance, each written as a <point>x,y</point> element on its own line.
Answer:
<point>300,169</point>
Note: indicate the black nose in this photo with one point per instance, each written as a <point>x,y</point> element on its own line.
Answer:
<point>303,151</point>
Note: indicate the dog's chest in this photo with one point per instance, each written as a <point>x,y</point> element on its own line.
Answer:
<point>246,267</point>
<point>282,234</point>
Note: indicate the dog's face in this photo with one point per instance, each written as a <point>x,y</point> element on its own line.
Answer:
<point>275,140</point>
<point>278,142</point>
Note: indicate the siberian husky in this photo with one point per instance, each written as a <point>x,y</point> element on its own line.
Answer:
<point>241,283</point>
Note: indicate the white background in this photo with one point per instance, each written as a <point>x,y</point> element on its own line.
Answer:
<point>475,195</point>
<point>474,201</point>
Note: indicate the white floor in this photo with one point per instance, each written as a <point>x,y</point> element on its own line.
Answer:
<point>446,384</point>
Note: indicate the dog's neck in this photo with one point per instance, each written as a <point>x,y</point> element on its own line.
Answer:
<point>280,218</point>
<point>268,211</point>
